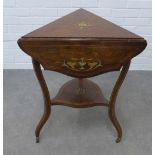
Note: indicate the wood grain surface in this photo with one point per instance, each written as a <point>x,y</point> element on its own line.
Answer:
<point>82,23</point>
<point>81,45</point>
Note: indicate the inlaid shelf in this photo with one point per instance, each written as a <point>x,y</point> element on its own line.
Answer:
<point>80,93</point>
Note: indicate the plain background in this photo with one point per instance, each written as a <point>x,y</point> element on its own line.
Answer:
<point>23,16</point>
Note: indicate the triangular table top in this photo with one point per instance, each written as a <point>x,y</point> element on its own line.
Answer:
<point>82,24</point>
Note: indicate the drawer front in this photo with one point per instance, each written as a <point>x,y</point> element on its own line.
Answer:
<point>81,61</point>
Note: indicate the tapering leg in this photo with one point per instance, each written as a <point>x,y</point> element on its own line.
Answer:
<point>47,102</point>
<point>112,101</point>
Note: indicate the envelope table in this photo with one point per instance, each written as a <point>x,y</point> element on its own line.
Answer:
<point>81,45</point>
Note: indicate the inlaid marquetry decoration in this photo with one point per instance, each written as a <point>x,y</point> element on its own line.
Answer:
<point>82,64</point>
<point>83,25</point>
<point>80,91</point>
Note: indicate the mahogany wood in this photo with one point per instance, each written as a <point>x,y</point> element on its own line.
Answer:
<point>46,95</point>
<point>82,24</point>
<point>80,93</point>
<point>111,54</point>
<point>82,35</point>
<point>81,45</point>
<point>112,101</point>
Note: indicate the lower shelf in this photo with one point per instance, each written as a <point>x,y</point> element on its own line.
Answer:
<point>80,93</point>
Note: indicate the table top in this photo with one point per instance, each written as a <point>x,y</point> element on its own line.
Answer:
<point>82,24</point>
<point>82,45</point>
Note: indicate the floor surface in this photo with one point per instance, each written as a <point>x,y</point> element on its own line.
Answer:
<point>72,131</point>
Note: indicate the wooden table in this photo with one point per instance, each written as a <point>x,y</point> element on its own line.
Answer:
<point>81,45</point>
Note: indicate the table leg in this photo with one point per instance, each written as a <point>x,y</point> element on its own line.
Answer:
<point>112,101</point>
<point>46,95</point>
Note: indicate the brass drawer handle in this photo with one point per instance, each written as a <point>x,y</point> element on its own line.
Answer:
<point>82,64</point>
